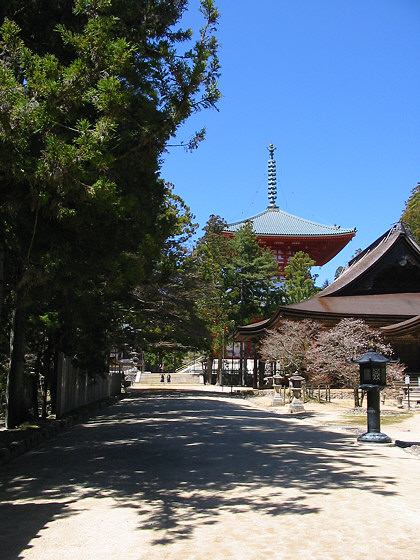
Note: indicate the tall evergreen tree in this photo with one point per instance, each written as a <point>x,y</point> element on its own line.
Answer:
<point>251,275</point>
<point>90,93</point>
<point>299,283</point>
<point>162,309</point>
<point>240,281</point>
<point>211,256</point>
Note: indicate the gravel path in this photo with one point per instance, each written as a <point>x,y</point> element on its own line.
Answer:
<point>186,476</point>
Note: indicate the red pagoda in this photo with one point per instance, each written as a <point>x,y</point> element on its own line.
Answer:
<point>286,234</point>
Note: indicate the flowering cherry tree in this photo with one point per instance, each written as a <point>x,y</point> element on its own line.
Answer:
<point>289,344</point>
<point>333,349</point>
<point>323,354</point>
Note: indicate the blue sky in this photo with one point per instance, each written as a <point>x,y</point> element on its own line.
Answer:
<point>335,85</point>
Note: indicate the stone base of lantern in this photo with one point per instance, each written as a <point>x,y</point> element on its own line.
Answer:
<point>374,437</point>
<point>277,399</point>
<point>296,405</point>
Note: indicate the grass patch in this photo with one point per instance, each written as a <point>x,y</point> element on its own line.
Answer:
<point>360,420</point>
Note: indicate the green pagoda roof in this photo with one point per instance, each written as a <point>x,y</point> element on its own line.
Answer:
<point>275,222</point>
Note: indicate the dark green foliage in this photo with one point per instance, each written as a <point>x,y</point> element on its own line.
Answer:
<point>299,283</point>
<point>411,214</point>
<point>211,257</point>
<point>90,93</point>
<point>251,277</point>
<point>163,308</point>
<point>239,281</point>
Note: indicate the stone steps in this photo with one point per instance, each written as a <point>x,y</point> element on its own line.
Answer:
<point>148,378</point>
<point>414,400</point>
<point>414,389</point>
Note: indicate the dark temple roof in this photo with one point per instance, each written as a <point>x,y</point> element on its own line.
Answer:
<point>381,285</point>
<point>389,265</point>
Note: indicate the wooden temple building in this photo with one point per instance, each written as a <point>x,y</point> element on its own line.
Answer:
<point>381,286</point>
<point>286,234</point>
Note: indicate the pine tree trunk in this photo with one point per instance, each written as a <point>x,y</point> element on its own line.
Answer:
<point>261,372</point>
<point>241,362</point>
<point>34,379</point>
<point>16,411</point>
<point>44,399</point>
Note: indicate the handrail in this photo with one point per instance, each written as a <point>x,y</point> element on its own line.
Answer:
<point>188,364</point>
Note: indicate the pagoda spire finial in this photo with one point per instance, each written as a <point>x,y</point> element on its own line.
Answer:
<point>272,191</point>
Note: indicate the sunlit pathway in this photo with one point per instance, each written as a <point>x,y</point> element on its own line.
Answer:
<point>183,476</point>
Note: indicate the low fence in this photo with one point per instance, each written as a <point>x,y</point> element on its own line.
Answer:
<point>321,393</point>
<point>75,389</point>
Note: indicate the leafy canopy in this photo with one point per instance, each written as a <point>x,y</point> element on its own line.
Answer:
<point>411,214</point>
<point>299,283</point>
<point>90,93</point>
<point>239,280</point>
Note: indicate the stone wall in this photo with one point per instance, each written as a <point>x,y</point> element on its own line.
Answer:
<point>75,389</point>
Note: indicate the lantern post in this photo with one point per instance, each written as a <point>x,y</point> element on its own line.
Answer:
<point>373,380</point>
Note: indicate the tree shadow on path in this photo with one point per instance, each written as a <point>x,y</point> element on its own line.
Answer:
<point>180,461</point>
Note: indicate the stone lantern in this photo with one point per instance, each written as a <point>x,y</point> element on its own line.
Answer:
<point>278,382</point>
<point>372,380</point>
<point>295,385</point>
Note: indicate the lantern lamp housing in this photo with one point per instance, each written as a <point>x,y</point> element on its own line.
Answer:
<point>372,369</point>
<point>296,381</point>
